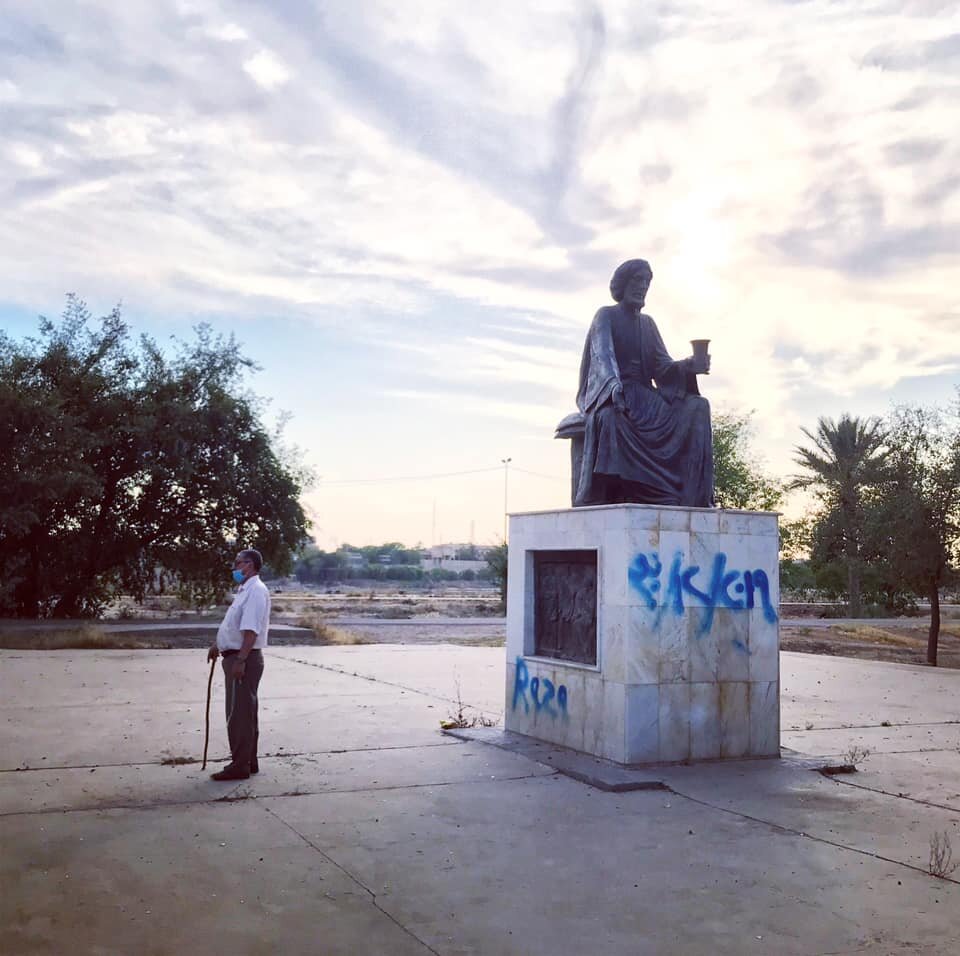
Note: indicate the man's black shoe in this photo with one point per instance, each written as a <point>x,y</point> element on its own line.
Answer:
<point>230,773</point>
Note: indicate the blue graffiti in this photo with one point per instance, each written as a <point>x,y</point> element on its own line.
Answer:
<point>646,569</point>
<point>554,699</point>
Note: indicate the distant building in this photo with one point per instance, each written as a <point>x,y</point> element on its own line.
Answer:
<point>445,556</point>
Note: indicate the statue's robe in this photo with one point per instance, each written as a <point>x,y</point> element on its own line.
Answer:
<point>659,450</point>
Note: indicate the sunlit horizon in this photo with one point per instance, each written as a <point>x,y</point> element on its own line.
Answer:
<point>409,222</point>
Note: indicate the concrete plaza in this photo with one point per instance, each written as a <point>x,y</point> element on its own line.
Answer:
<point>368,831</point>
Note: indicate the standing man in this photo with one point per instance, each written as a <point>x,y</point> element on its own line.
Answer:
<point>240,640</point>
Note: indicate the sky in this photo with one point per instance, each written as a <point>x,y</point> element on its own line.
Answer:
<point>408,213</point>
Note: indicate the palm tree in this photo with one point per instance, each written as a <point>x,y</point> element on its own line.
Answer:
<point>847,457</point>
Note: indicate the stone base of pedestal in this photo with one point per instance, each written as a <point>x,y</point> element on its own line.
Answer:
<point>642,634</point>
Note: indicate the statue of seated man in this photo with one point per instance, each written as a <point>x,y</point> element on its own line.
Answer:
<point>647,435</point>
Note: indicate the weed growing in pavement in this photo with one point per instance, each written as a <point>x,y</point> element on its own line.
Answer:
<point>460,721</point>
<point>941,856</point>
<point>856,754</point>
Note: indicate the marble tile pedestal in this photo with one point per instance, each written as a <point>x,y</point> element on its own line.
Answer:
<point>687,635</point>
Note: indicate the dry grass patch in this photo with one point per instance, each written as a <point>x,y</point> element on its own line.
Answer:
<point>325,633</point>
<point>396,612</point>
<point>84,637</point>
<point>871,635</point>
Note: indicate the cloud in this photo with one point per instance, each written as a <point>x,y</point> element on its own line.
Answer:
<point>942,53</point>
<point>228,32</point>
<point>909,152</point>
<point>267,70</point>
<point>441,199</point>
<point>21,38</point>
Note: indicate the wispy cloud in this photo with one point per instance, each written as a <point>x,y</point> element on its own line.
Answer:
<point>442,198</point>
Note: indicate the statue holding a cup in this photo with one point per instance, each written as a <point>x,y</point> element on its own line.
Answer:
<point>647,436</point>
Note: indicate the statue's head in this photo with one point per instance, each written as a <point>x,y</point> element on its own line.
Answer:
<point>631,281</point>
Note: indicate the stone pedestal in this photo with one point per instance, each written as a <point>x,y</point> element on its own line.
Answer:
<point>643,634</point>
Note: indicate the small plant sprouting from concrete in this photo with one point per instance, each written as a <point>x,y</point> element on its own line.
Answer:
<point>460,721</point>
<point>856,755</point>
<point>808,725</point>
<point>173,760</point>
<point>941,863</point>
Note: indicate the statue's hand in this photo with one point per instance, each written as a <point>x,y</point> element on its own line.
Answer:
<point>617,397</point>
<point>700,366</point>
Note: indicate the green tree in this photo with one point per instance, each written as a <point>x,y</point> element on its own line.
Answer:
<point>496,558</point>
<point>739,480</point>
<point>846,459</point>
<point>130,470</point>
<point>913,526</point>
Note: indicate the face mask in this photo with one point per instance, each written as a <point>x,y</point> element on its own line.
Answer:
<point>238,576</point>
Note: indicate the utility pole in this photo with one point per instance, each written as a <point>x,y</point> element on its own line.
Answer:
<point>506,468</point>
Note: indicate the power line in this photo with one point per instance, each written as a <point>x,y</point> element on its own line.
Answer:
<point>371,481</point>
<point>447,474</point>
<point>538,474</point>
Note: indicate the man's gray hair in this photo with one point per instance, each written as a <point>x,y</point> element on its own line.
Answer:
<point>251,554</point>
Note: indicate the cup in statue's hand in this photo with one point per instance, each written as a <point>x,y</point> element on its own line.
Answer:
<point>701,357</point>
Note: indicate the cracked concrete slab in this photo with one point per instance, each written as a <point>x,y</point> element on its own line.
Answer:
<point>906,738</point>
<point>435,670</point>
<point>842,692</point>
<point>204,878</point>
<point>551,866</point>
<point>119,702</point>
<point>931,777</point>
<point>832,809</point>
<point>371,832</point>
<point>155,785</point>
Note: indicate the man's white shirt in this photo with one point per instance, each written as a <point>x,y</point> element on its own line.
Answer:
<point>250,611</point>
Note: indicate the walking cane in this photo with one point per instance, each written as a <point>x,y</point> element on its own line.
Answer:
<point>206,730</point>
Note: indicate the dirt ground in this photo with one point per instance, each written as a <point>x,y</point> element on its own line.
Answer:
<point>446,615</point>
<point>413,617</point>
<point>903,642</point>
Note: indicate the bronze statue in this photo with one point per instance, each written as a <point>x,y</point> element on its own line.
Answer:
<point>645,427</point>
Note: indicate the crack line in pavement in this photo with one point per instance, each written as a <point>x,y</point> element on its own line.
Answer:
<point>229,797</point>
<point>354,879</point>
<point>877,753</point>
<point>921,723</point>
<point>388,683</point>
<point>810,836</point>
<point>896,796</point>
<point>192,761</point>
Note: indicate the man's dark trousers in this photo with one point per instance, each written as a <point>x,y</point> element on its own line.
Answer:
<point>243,728</point>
